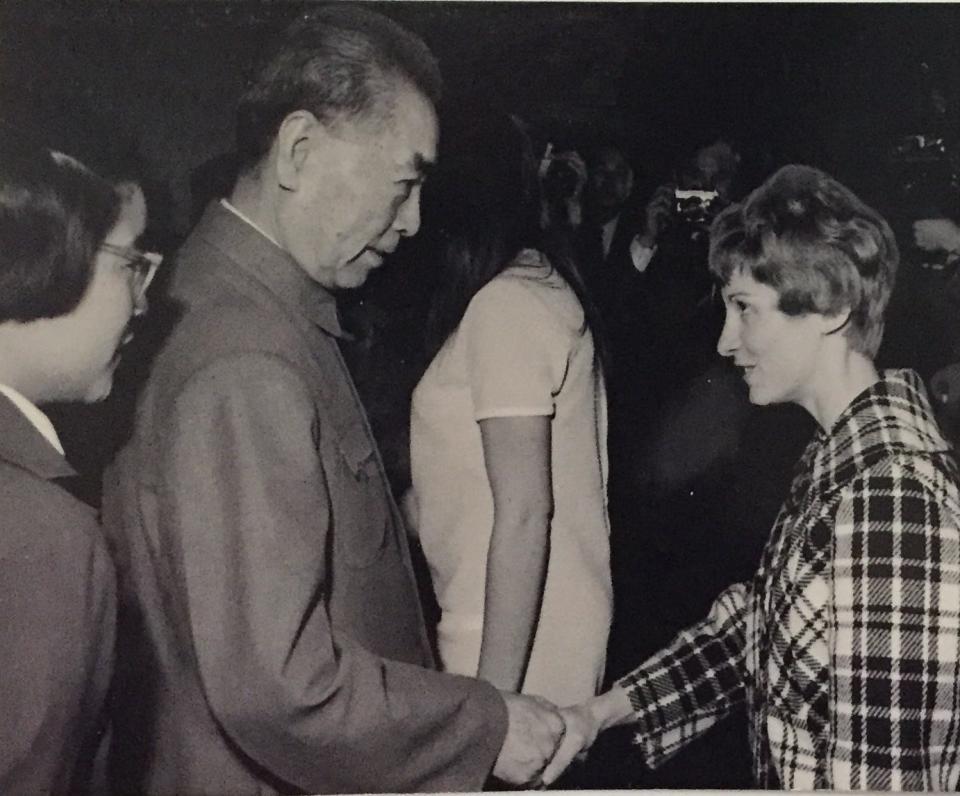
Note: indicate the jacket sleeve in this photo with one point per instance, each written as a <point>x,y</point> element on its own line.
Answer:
<point>895,644</point>
<point>683,690</point>
<point>243,491</point>
<point>56,611</point>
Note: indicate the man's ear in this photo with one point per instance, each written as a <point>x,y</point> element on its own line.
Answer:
<point>293,142</point>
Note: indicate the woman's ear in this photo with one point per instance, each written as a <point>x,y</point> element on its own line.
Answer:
<point>832,324</point>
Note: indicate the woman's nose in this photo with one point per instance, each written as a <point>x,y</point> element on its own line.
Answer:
<point>140,303</point>
<point>729,339</point>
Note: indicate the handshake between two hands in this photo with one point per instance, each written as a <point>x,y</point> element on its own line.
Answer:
<point>542,740</point>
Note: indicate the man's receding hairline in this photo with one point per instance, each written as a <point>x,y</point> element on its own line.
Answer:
<point>381,115</point>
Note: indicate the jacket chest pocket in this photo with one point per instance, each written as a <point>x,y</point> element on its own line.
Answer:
<point>361,513</point>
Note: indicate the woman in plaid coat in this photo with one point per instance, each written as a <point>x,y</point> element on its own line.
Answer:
<point>845,646</point>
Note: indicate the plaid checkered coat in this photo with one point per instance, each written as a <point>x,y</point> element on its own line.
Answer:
<point>846,644</point>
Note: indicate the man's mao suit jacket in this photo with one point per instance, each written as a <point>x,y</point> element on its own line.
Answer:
<point>271,638</point>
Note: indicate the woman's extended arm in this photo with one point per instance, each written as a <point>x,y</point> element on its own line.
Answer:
<point>517,456</point>
<point>583,723</point>
<point>674,696</point>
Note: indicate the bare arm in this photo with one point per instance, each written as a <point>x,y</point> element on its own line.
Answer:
<point>517,455</point>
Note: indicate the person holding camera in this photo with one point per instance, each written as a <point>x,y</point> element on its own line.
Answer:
<point>679,212</point>
<point>563,176</point>
<point>661,321</point>
<point>669,252</point>
<point>941,235</point>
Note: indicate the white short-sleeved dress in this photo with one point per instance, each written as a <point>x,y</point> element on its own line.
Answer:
<point>522,349</point>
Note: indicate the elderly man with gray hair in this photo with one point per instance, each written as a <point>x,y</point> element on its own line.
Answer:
<point>271,638</point>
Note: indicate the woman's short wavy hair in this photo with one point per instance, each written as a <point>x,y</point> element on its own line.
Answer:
<point>54,215</point>
<point>820,247</point>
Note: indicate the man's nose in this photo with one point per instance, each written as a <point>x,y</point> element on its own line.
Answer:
<point>408,217</point>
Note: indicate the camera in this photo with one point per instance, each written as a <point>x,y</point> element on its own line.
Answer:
<point>925,173</point>
<point>695,207</point>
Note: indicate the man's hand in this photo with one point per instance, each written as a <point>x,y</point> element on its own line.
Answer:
<point>656,214</point>
<point>534,732</point>
<point>935,234</point>
<point>581,732</point>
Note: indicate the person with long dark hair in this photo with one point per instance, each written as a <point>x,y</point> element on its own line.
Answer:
<point>508,432</point>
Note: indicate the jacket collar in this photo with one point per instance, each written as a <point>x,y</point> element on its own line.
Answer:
<point>22,445</point>
<point>261,259</point>
<point>891,417</point>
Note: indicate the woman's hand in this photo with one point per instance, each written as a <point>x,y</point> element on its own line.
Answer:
<point>584,722</point>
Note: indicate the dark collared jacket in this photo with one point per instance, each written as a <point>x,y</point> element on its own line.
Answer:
<point>57,618</point>
<point>271,638</point>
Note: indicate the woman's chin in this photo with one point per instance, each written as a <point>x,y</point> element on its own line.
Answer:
<point>761,397</point>
<point>99,389</point>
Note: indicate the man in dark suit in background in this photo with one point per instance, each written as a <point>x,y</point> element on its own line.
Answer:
<point>611,221</point>
<point>271,638</point>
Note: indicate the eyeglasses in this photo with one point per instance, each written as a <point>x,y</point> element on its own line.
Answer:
<point>143,264</point>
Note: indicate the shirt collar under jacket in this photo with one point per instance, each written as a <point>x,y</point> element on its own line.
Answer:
<point>23,443</point>
<point>893,416</point>
<point>262,258</point>
<point>36,417</point>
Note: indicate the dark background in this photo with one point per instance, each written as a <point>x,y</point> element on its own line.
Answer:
<point>836,86</point>
<point>830,85</point>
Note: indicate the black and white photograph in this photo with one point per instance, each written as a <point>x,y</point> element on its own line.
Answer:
<point>429,396</point>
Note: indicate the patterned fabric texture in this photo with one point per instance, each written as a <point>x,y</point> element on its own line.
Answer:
<point>846,644</point>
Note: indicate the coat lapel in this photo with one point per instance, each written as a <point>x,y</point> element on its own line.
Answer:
<point>22,445</point>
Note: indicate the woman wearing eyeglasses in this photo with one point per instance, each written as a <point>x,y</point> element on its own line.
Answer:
<point>70,282</point>
<point>845,645</point>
